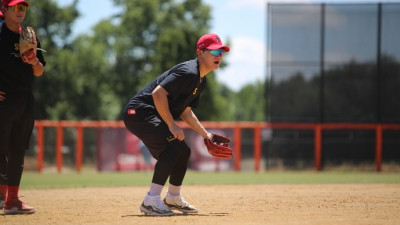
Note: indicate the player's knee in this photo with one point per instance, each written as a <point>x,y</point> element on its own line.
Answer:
<point>180,147</point>
<point>186,152</point>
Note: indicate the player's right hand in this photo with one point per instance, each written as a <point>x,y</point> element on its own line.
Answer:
<point>2,95</point>
<point>177,132</point>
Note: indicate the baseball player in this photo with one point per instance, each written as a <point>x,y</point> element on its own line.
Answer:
<point>16,104</point>
<point>151,115</point>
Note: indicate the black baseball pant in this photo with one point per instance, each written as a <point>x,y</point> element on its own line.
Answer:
<point>172,155</point>
<point>16,125</point>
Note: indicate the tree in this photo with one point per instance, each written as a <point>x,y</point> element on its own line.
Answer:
<point>53,25</point>
<point>92,76</point>
<point>150,37</point>
<point>250,103</point>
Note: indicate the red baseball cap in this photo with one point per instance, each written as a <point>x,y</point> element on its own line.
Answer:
<point>14,2</point>
<point>211,42</point>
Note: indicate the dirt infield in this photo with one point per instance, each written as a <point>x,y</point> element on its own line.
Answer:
<point>222,204</point>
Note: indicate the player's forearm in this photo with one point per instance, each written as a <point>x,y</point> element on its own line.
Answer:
<point>191,119</point>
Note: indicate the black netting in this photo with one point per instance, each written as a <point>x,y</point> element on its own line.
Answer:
<point>333,63</point>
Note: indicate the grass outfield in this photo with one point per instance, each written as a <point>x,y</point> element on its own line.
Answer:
<point>34,180</point>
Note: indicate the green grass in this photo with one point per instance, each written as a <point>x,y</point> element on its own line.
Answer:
<point>34,180</point>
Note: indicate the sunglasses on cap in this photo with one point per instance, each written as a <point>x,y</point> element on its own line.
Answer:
<point>216,52</point>
<point>19,8</point>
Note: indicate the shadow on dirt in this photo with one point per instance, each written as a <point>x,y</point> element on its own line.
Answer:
<point>179,214</point>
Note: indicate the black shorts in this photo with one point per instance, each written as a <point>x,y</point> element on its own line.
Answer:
<point>16,122</point>
<point>148,126</point>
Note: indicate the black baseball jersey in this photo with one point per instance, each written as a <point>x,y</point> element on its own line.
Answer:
<point>183,84</point>
<point>15,75</point>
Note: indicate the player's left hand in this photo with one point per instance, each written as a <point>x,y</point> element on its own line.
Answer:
<point>27,44</point>
<point>30,57</point>
<point>218,146</point>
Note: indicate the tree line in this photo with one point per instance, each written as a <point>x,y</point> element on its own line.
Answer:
<point>91,76</point>
<point>350,92</point>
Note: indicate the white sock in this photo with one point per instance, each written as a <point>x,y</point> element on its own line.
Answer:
<point>155,189</point>
<point>174,190</point>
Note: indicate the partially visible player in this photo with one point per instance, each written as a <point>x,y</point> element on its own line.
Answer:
<point>151,115</point>
<point>16,105</point>
<point>1,16</point>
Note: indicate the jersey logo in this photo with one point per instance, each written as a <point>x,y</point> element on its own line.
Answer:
<point>218,40</point>
<point>195,91</point>
<point>131,112</point>
<point>16,54</point>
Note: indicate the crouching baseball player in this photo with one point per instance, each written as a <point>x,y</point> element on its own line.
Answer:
<point>151,115</point>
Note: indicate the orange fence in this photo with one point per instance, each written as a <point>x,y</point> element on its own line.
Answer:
<point>236,126</point>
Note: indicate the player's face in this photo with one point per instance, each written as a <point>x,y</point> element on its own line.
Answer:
<point>212,58</point>
<point>15,13</point>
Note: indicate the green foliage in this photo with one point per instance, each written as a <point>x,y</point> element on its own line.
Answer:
<point>251,103</point>
<point>151,37</point>
<point>92,76</point>
<point>53,26</point>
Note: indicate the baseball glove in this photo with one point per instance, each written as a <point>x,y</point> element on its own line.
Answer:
<point>27,44</point>
<point>217,146</point>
